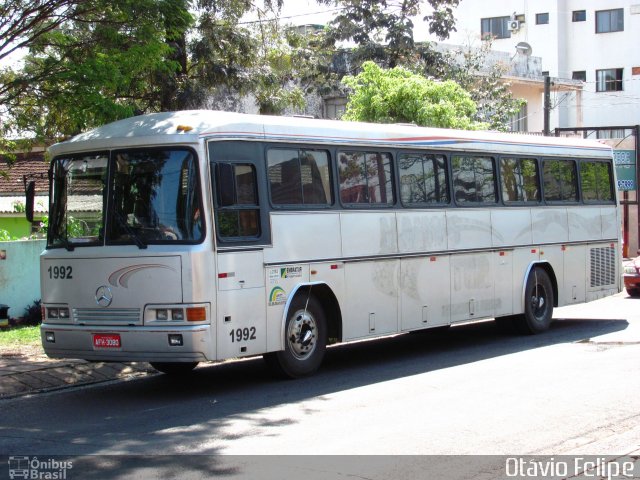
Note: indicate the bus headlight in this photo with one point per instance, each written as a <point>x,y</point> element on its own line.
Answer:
<point>176,313</point>
<point>55,313</point>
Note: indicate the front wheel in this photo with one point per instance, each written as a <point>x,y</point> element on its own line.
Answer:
<point>633,292</point>
<point>305,339</point>
<point>174,368</point>
<point>538,303</point>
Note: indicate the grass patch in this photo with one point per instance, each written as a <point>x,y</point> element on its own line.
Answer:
<point>20,336</point>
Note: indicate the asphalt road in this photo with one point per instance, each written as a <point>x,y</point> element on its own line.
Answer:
<point>472,390</point>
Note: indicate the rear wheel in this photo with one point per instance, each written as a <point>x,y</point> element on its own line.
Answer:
<point>305,339</point>
<point>174,368</point>
<point>538,303</point>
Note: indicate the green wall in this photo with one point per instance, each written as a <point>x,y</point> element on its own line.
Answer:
<point>18,227</point>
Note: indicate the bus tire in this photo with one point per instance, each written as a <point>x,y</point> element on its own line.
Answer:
<point>305,340</point>
<point>174,368</point>
<point>538,303</point>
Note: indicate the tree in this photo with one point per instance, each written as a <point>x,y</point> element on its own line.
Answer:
<point>383,29</point>
<point>94,61</point>
<point>289,63</point>
<point>97,66</point>
<point>398,96</point>
<point>484,81</point>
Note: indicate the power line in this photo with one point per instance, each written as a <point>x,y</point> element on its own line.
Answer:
<point>276,18</point>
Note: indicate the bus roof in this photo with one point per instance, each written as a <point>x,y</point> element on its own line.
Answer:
<point>189,126</point>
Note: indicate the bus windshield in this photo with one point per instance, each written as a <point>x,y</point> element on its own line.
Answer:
<point>143,196</point>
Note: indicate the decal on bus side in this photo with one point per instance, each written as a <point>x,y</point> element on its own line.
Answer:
<point>277,296</point>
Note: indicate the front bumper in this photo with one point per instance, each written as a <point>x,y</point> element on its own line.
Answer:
<point>631,281</point>
<point>146,344</point>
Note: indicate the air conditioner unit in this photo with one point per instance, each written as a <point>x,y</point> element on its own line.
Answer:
<point>514,25</point>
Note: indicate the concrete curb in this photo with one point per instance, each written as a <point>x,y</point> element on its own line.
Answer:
<point>23,379</point>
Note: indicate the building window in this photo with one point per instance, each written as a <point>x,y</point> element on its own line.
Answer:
<point>610,20</point>
<point>542,18</point>
<point>496,27</point>
<point>335,107</point>
<point>608,133</point>
<point>518,121</point>
<point>579,16</point>
<point>579,75</point>
<point>609,80</point>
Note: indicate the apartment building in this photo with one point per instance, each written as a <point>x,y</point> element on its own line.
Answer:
<point>594,41</point>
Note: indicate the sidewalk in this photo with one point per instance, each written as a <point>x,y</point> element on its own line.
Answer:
<point>23,373</point>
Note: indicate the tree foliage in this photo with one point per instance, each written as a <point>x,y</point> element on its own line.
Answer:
<point>383,32</point>
<point>398,96</point>
<point>485,81</point>
<point>383,29</point>
<point>89,62</point>
<point>97,66</point>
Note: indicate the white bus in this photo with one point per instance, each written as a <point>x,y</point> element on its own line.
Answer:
<point>177,238</point>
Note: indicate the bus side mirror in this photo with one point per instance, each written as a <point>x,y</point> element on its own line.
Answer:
<point>225,184</point>
<point>30,193</point>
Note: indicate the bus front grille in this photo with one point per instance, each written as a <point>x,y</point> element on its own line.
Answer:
<point>111,316</point>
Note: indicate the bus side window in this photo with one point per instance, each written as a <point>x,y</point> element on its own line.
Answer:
<point>237,195</point>
<point>595,179</point>
<point>560,181</point>
<point>519,179</point>
<point>473,179</point>
<point>423,179</point>
<point>299,177</point>
<point>365,178</point>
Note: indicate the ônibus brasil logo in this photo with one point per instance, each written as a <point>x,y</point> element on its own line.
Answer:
<point>34,469</point>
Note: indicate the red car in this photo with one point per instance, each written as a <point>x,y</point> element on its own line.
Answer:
<point>632,277</point>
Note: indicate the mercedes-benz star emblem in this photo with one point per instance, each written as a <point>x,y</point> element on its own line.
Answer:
<point>104,297</point>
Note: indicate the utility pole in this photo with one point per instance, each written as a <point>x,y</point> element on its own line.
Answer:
<point>547,104</point>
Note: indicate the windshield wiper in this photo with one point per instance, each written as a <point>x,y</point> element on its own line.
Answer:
<point>136,238</point>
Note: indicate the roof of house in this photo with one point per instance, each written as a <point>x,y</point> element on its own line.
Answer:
<point>12,193</point>
<point>32,163</point>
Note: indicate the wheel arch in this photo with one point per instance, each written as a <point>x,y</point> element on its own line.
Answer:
<point>329,303</point>
<point>546,266</point>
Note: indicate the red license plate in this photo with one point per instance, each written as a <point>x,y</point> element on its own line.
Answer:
<point>106,340</point>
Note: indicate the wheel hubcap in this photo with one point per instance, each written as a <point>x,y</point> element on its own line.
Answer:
<point>538,302</point>
<point>302,334</point>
